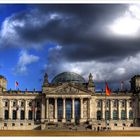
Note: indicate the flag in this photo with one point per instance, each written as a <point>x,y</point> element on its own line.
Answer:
<point>16,84</point>
<point>107,90</point>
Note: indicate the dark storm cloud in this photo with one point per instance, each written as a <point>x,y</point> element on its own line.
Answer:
<point>79,29</point>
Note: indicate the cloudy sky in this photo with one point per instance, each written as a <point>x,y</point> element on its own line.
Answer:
<point>102,39</point>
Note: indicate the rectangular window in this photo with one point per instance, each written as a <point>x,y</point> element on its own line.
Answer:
<point>14,104</point>
<point>6,104</point>
<point>5,124</point>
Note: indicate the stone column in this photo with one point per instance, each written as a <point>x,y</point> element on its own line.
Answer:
<point>119,109</point>
<point>26,109</point>
<point>81,108</point>
<point>43,109</point>
<point>111,109</point>
<point>64,110</point>
<point>10,109</point>
<point>55,109</point>
<point>103,109</point>
<point>73,110</point>
<point>127,109</point>
<point>47,108</point>
<point>18,110</point>
<point>89,108</point>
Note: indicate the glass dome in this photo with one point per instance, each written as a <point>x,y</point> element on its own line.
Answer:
<point>68,77</point>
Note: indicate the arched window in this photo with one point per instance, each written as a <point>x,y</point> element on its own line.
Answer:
<point>14,114</point>
<point>107,115</point>
<point>123,115</point>
<point>115,115</point>
<point>6,114</point>
<point>30,115</point>
<point>130,114</point>
<point>22,115</point>
<point>99,115</point>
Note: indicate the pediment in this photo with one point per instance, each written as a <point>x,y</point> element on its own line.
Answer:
<point>68,89</point>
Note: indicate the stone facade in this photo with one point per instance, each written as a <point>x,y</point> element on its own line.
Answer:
<point>57,104</point>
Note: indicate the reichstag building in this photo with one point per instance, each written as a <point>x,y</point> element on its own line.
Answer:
<point>69,102</point>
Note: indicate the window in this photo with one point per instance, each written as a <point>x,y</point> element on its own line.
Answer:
<point>14,103</point>
<point>38,115</point>
<point>115,103</point>
<point>22,115</point>
<point>130,115</point>
<point>130,104</point>
<point>29,123</point>
<point>99,103</point>
<point>123,115</point>
<point>99,115</point>
<point>13,124</point>
<point>21,124</point>
<point>115,124</point>
<point>6,104</point>
<point>115,115</point>
<point>14,115</point>
<point>5,124</point>
<point>22,104</point>
<point>38,104</point>
<point>123,124</point>
<point>6,114</point>
<point>107,103</point>
<point>107,115</point>
<point>123,103</point>
<point>30,104</point>
<point>30,114</point>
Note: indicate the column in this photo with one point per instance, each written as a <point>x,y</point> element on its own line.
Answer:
<point>47,108</point>
<point>127,109</point>
<point>119,109</point>
<point>43,109</point>
<point>18,110</point>
<point>10,109</point>
<point>55,108</point>
<point>81,108</point>
<point>103,109</point>
<point>26,109</point>
<point>89,108</point>
<point>111,109</point>
<point>64,110</point>
<point>73,108</point>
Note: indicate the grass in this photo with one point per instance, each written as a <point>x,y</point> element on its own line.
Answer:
<point>66,133</point>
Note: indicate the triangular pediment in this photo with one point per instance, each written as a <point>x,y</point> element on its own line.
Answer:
<point>68,88</point>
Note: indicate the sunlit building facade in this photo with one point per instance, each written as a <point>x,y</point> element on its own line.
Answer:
<point>69,100</point>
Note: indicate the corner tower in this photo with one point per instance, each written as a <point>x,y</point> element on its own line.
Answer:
<point>3,83</point>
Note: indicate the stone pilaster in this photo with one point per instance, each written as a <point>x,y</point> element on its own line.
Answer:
<point>55,111</point>
<point>89,108</point>
<point>43,109</point>
<point>119,109</point>
<point>103,109</point>
<point>127,109</point>
<point>18,110</point>
<point>10,109</point>
<point>64,110</point>
<point>81,109</point>
<point>111,109</point>
<point>26,109</point>
<point>47,108</point>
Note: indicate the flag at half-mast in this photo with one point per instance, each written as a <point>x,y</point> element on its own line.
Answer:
<point>107,90</point>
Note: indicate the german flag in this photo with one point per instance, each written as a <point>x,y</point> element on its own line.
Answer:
<point>107,90</point>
